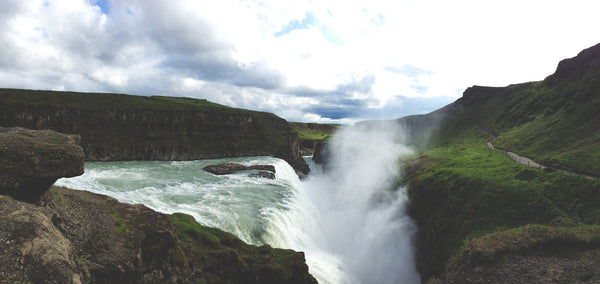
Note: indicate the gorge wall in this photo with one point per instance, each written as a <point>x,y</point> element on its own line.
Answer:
<point>123,127</point>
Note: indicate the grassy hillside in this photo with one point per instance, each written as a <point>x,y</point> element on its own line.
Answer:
<point>555,121</point>
<point>463,191</point>
<point>476,207</point>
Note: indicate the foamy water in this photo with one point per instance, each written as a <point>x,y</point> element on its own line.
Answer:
<point>350,222</point>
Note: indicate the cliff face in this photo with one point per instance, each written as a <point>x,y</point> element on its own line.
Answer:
<point>120,127</point>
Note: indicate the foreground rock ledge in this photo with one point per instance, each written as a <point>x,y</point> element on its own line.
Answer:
<point>82,237</point>
<point>32,160</point>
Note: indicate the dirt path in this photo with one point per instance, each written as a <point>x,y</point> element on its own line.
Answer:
<point>524,160</point>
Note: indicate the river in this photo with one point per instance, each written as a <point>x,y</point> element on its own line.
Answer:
<point>350,223</point>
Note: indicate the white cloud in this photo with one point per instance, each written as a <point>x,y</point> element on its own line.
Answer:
<point>351,59</point>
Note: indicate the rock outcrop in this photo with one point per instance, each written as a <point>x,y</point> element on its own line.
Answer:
<point>229,168</point>
<point>574,69</point>
<point>31,161</point>
<point>322,155</point>
<point>81,237</point>
<point>123,127</point>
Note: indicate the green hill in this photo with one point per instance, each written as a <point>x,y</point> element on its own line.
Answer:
<point>479,212</point>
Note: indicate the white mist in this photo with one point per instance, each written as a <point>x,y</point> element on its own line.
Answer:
<point>362,217</point>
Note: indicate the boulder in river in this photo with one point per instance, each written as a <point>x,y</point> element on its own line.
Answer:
<point>229,168</point>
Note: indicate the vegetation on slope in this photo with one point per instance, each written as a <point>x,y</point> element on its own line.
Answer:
<point>471,201</point>
<point>461,192</point>
<point>555,121</point>
<point>215,250</point>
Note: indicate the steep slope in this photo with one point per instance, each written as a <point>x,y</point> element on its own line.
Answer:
<point>125,127</point>
<point>483,217</point>
<point>555,121</point>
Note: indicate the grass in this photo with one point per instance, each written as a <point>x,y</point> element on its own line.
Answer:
<point>114,102</point>
<point>211,247</point>
<point>555,125</point>
<point>528,239</point>
<point>57,196</point>
<point>314,131</point>
<point>121,225</point>
<point>468,198</point>
<point>477,191</point>
<point>189,230</point>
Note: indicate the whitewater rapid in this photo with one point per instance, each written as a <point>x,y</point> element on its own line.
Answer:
<point>350,222</point>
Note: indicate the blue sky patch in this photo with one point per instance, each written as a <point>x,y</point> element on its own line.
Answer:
<point>104,5</point>
<point>310,20</point>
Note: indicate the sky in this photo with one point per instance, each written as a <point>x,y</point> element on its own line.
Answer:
<point>310,61</point>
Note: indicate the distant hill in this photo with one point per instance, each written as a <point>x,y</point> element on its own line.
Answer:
<point>126,127</point>
<point>483,216</point>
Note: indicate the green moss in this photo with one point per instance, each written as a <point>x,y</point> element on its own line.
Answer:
<point>84,266</point>
<point>211,247</point>
<point>121,225</point>
<point>189,230</point>
<point>57,196</point>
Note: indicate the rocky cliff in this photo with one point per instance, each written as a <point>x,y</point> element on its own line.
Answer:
<point>79,237</point>
<point>124,127</point>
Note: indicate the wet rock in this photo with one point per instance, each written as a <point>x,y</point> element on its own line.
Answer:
<point>263,174</point>
<point>229,168</point>
<point>32,160</point>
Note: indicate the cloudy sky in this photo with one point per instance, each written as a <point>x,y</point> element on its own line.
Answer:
<point>312,61</point>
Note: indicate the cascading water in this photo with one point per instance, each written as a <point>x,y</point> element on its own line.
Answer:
<point>361,213</point>
<point>350,221</point>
